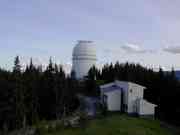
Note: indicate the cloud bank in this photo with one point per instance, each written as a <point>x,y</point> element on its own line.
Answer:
<point>172,49</point>
<point>133,48</point>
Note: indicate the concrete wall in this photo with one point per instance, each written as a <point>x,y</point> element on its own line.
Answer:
<point>145,108</point>
<point>81,67</point>
<point>134,92</point>
<point>124,87</point>
<point>113,100</point>
<point>84,57</point>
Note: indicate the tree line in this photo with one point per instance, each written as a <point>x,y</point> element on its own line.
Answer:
<point>33,94</point>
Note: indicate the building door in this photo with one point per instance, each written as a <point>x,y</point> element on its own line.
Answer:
<point>105,100</point>
<point>122,101</point>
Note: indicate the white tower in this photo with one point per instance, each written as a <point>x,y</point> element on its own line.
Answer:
<point>84,57</point>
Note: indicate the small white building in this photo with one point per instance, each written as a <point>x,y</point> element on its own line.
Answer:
<point>126,97</point>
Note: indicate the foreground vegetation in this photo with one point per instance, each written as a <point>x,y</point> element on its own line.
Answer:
<point>116,125</point>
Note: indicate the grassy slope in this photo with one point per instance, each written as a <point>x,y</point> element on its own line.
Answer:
<point>117,125</point>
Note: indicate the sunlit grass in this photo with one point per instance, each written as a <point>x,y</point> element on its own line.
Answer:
<point>116,125</point>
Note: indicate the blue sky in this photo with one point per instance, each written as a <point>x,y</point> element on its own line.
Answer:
<point>140,31</point>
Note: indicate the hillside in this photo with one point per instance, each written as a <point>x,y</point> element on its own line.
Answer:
<point>117,125</point>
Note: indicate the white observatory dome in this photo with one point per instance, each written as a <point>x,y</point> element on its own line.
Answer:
<point>84,57</point>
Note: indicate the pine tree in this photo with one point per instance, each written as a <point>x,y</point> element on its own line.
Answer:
<point>19,95</point>
<point>30,77</point>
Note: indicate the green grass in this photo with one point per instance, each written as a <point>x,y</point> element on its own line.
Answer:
<point>116,125</point>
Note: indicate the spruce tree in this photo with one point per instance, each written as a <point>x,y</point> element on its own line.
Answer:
<point>19,95</point>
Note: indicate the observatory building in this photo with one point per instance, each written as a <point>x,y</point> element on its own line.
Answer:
<point>84,57</point>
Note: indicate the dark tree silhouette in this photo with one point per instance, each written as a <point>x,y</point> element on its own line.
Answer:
<point>33,94</point>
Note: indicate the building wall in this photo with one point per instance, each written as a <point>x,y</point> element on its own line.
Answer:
<point>124,86</point>
<point>113,100</point>
<point>145,108</point>
<point>134,92</point>
<point>84,57</point>
<point>81,67</point>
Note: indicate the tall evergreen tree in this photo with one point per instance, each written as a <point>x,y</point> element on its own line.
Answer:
<point>19,95</point>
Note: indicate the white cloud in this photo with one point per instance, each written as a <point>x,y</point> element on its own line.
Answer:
<point>128,47</point>
<point>172,49</point>
<point>132,48</point>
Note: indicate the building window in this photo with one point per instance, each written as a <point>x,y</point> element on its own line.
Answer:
<point>131,90</point>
